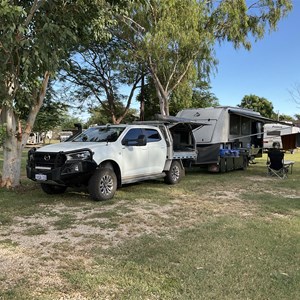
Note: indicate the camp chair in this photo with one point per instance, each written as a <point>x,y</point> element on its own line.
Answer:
<point>281,173</point>
<point>275,164</point>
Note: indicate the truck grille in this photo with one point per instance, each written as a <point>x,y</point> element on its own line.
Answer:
<point>48,161</point>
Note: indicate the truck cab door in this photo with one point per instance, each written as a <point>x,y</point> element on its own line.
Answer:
<point>157,151</point>
<point>134,154</point>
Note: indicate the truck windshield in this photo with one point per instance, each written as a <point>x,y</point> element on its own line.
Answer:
<point>100,134</point>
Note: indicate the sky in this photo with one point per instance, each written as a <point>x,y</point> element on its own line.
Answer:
<point>271,69</point>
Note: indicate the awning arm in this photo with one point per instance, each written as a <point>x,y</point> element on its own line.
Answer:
<point>245,136</point>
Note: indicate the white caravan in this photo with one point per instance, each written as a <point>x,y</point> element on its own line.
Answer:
<point>274,131</point>
<point>231,138</point>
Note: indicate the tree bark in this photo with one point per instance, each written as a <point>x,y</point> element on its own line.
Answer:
<point>12,150</point>
<point>142,101</point>
<point>15,139</point>
<point>162,94</point>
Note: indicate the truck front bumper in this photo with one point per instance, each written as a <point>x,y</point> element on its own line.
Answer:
<point>64,172</point>
<point>71,173</point>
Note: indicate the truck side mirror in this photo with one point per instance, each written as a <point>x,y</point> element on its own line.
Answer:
<point>125,142</point>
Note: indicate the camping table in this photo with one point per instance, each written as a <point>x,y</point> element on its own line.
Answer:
<point>289,163</point>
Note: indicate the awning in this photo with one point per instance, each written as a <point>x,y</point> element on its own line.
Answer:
<point>255,116</point>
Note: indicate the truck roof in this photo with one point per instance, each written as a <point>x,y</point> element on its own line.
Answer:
<point>123,126</point>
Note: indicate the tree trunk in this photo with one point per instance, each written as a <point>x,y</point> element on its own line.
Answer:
<point>142,101</point>
<point>15,139</point>
<point>162,94</point>
<point>12,150</point>
<point>163,102</point>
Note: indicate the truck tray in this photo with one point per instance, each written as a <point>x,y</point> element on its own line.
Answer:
<point>185,155</point>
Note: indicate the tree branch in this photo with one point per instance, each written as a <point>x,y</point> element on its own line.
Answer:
<point>36,107</point>
<point>35,6</point>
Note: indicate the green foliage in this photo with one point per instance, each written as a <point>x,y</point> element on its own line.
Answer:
<point>100,116</point>
<point>167,38</point>
<point>258,104</point>
<point>173,37</point>
<point>50,116</point>
<point>51,113</point>
<point>149,96</point>
<point>97,72</point>
<point>35,36</point>
<point>283,117</point>
<point>68,121</point>
<point>297,116</point>
<point>173,34</point>
<point>237,20</point>
<point>185,96</point>
<point>203,97</point>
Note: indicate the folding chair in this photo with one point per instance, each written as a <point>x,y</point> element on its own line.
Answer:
<point>276,165</point>
<point>281,173</point>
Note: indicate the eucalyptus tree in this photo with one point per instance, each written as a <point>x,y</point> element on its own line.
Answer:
<point>35,35</point>
<point>187,95</point>
<point>174,37</point>
<point>284,117</point>
<point>258,104</point>
<point>99,115</point>
<point>297,117</point>
<point>102,75</point>
<point>203,97</point>
<point>50,116</point>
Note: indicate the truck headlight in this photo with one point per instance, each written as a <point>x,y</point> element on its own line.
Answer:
<point>83,155</point>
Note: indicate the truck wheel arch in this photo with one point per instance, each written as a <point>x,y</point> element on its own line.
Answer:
<point>110,164</point>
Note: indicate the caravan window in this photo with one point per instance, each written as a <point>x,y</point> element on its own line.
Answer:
<point>234,125</point>
<point>246,126</point>
<point>275,132</point>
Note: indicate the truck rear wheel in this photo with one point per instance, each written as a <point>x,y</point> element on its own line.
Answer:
<point>52,189</point>
<point>175,174</point>
<point>103,184</point>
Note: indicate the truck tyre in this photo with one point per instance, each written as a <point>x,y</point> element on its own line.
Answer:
<point>175,173</point>
<point>103,184</point>
<point>52,189</point>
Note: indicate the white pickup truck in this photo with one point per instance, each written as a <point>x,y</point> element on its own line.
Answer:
<point>105,157</point>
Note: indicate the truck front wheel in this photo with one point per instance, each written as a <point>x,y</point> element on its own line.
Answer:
<point>175,173</point>
<point>103,184</point>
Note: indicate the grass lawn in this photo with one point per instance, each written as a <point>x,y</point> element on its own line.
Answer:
<point>212,236</point>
